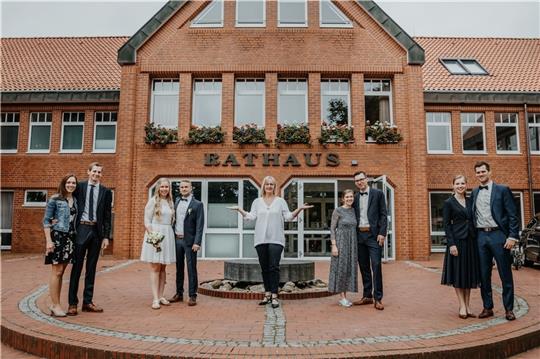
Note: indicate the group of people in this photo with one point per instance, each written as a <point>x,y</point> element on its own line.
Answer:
<point>77,224</point>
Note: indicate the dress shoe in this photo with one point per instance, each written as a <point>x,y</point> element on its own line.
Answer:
<point>363,301</point>
<point>378,305</point>
<point>192,301</point>
<point>176,298</point>
<point>510,315</point>
<point>91,307</point>
<point>486,313</point>
<point>57,312</point>
<point>72,310</point>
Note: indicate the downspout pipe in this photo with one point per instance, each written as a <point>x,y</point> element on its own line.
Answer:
<point>529,170</point>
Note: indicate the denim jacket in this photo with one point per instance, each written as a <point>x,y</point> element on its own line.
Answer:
<point>58,209</point>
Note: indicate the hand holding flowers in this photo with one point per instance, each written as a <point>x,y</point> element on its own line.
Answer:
<point>155,239</point>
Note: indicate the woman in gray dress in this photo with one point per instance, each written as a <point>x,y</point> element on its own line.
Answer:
<point>343,264</point>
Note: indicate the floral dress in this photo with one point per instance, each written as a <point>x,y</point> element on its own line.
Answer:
<point>63,242</point>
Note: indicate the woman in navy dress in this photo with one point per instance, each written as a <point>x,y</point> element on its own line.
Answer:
<point>461,267</point>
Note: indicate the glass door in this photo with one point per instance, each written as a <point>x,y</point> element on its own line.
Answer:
<point>389,250</point>
<point>6,213</point>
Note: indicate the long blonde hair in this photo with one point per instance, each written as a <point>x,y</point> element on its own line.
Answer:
<point>264,181</point>
<point>157,197</point>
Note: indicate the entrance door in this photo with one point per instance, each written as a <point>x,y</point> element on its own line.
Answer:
<point>381,183</point>
<point>6,209</point>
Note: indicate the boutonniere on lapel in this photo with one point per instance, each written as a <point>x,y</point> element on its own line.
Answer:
<point>189,211</point>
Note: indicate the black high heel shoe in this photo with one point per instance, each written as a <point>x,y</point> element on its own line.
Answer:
<point>265,300</point>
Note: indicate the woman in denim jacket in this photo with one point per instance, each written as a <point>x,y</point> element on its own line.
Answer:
<point>59,228</point>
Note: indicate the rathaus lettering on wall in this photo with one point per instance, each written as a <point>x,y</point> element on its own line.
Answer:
<point>272,159</point>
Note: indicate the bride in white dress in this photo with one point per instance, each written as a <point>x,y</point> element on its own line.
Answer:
<point>158,217</point>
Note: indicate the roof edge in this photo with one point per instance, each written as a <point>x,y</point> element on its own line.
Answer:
<point>474,97</point>
<point>92,96</point>
<point>415,53</point>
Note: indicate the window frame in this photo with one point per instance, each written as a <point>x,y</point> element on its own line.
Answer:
<point>460,63</point>
<point>379,93</point>
<point>164,93</point>
<point>7,230</point>
<point>250,93</point>
<point>205,11</point>
<point>78,122</point>
<point>502,124</point>
<point>39,123</point>
<point>306,20</point>
<point>14,122</point>
<point>26,203</point>
<point>196,94</point>
<point>343,26</point>
<point>237,24</point>
<point>536,118</point>
<point>435,233</point>
<point>296,92</point>
<point>483,125</point>
<point>336,93</point>
<point>105,123</point>
<point>440,124</point>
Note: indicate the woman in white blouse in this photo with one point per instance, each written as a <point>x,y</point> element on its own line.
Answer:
<point>158,217</point>
<point>270,211</point>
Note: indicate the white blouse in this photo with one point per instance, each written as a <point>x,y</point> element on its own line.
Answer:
<point>269,227</point>
<point>166,213</point>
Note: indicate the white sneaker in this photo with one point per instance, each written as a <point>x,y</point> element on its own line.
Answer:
<point>155,304</point>
<point>344,302</point>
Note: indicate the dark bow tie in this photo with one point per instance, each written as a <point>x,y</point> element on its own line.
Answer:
<point>363,193</point>
<point>183,199</point>
<point>484,187</point>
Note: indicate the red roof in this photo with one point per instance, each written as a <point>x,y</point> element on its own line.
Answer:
<point>60,64</point>
<point>513,64</point>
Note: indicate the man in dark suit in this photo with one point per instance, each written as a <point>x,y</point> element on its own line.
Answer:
<point>496,221</point>
<point>188,230</point>
<point>93,233</point>
<point>370,208</point>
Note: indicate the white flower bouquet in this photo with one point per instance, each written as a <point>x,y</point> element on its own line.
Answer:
<point>155,239</point>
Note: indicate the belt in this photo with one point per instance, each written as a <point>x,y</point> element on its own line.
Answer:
<point>364,229</point>
<point>488,229</point>
<point>88,223</point>
<point>179,236</point>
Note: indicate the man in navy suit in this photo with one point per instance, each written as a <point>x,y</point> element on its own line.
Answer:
<point>494,214</point>
<point>93,232</point>
<point>370,209</point>
<point>188,230</point>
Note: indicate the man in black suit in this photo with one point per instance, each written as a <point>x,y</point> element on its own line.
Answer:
<point>93,232</point>
<point>188,230</point>
<point>496,221</point>
<point>370,208</point>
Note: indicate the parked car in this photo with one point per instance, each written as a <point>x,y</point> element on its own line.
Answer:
<point>527,251</point>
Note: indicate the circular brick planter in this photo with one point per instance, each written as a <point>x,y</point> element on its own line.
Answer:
<point>259,296</point>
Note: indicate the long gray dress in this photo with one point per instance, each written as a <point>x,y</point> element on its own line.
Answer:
<point>344,267</point>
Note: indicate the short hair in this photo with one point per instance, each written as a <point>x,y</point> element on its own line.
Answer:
<point>456,177</point>
<point>480,164</point>
<point>62,192</point>
<point>347,191</point>
<point>186,181</point>
<point>94,164</point>
<point>359,173</point>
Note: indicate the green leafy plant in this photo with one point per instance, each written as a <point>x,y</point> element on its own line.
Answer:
<point>338,112</point>
<point>336,133</point>
<point>160,136</point>
<point>289,134</point>
<point>248,134</point>
<point>383,132</point>
<point>199,135</point>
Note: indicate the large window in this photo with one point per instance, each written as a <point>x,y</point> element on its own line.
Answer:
<point>506,132</point>
<point>250,13</point>
<point>292,13</point>
<point>331,16</point>
<point>335,99</point>
<point>378,101</point>
<point>165,103</point>
<point>292,101</point>
<point>40,132</point>
<point>207,102</point>
<point>35,198</point>
<point>438,238</point>
<point>534,132</point>
<point>439,132</point>
<point>72,132</point>
<point>211,16</point>
<point>464,67</point>
<point>536,202</point>
<point>105,132</point>
<point>249,102</point>
<point>9,127</point>
<point>6,218</point>
<point>473,133</point>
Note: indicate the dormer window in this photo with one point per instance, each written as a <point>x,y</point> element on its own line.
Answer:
<point>463,67</point>
<point>331,16</point>
<point>211,16</point>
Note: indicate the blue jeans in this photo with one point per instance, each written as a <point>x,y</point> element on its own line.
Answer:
<point>269,257</point>
<point>184,251</point>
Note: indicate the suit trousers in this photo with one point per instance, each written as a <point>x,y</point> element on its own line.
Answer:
<point>87,244</point>
<point>369,260</point>
<point>184,251</point>
<point>491,245</point>
<point>269,256</point>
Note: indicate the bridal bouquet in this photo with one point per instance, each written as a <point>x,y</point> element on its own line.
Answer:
<point>155,239</point>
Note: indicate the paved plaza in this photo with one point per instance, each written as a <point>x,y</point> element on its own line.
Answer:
<point>420,318</point>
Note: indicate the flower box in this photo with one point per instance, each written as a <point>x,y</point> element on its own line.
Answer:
<point>249,134</point>
<point>203,134</point>
<point>290,134</point>
<point>382,132</point>
<point>159,136</point>
<point>331,133</point>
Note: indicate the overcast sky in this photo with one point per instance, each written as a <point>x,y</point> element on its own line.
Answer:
<point>480,18</point>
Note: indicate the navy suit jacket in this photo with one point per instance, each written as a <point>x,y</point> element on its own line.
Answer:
<point>103,211</point>
<point>193,222</point>
<point>503,209</point>
<point>377,215</point>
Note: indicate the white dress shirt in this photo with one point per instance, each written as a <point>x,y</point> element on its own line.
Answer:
<point>363,206</point>
<point>85,215</point>
<point>269,225</point>
<point>181,215</point>
<point>484,218</point>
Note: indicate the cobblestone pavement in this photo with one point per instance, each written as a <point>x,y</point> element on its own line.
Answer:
<point>420,315</point>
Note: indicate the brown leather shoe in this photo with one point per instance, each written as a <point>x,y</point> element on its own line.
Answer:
<point>91,308</point>
<point>176,298</point>
<point>486,313</point>
<point>378,305</point>
<point>510,315</point>
<point>72,310</point>
<point>192,301</point>
<point>363,301</point>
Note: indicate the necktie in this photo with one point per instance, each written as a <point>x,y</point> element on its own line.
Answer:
<point>483,187</point>
<point>91,204</point>
<point>363,193</point>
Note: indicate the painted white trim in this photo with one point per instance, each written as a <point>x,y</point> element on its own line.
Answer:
<point>11,123</point>
<point>296,93</point>
<point>436,249</point>
<point>475,124</point>
<point>336,93</point>
<point>306,22</point>
<point>250,24</point>
<point>205,11</point>
<point>340,13</point>
<point>164,93</point>
<point>439,124</point>
<point>250,93</point>
<point>105,123</point>
<point>35,204</point>
<point>72,123</point>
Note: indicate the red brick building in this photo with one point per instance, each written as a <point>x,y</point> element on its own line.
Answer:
<point>283,66</point>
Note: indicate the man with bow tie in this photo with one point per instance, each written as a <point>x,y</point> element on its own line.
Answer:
<point>188,229</point>
<point>370,209</point>
<point>496,221</point>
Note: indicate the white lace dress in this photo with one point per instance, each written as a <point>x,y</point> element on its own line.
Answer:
<point>162,224</point>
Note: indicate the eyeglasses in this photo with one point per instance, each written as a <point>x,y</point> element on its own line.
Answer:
<point>360,179</point>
